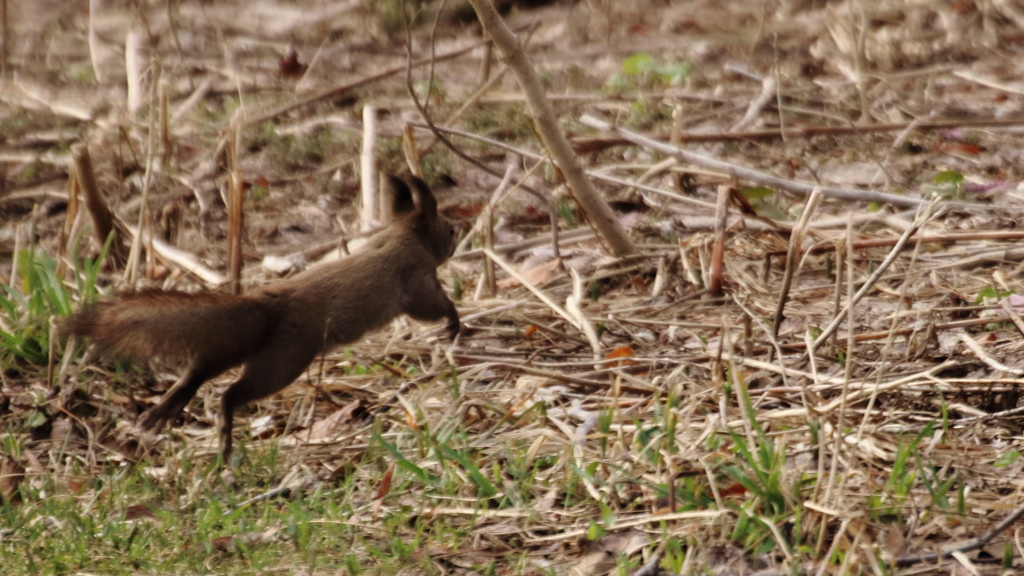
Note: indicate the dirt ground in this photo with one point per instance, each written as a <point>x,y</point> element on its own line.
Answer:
<point>907,116</point>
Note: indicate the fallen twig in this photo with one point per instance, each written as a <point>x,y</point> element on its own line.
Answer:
<point>809,131</point>
<point>975,544</point>
<point>870,282</point>
<point>536,291</point>
<point>749,174</point>
<point>924,238</point>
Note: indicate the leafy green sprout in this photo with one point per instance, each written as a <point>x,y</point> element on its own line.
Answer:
<point>641,71</point>
<point>39,294</point>
<point>991,293</point>
<point>948,184</point>
<point>760,199</point>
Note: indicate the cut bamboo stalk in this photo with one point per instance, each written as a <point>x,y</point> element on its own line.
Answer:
<point>102,217</point>
<point>133,72</point>
<point>368,170</point>
<point>715,281</point>
<point>235,213</point>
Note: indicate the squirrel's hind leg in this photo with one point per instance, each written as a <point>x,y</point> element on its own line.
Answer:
<point>273,368</point>
<point>175,400</point>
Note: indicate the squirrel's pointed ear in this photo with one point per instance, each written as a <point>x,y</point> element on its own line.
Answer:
<point>400,198</point>
<point>422,195</point>
<point>408,195</point>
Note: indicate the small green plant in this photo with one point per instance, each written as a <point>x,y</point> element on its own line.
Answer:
<point>457,289</point>
<point>760,199</point>
<point>1007,459</point>
<point>430,91</point>
<point>759,468</point>
<point>889,505</point>
<point>37,295</point>
<point>674,556</point>
<point>938,489</point>
<point>30,172</point>
<point>509,122</point>
<point>393,15</point>
<point>302,151</point>
<point>948,185</point>
<point>485,489</point>
<point>641,71</point>
<point>647,113</point>
<point>258,193</point>
<point>991,295</point>
<point>566,212</point>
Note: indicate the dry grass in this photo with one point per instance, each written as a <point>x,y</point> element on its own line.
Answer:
<point>599,414</point>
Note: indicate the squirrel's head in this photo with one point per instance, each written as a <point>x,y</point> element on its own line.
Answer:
<point>413,205</point>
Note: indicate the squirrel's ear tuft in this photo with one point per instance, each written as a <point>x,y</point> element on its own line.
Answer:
<point>399,195</point>
<point>408,195</point>
<point>422,195</point>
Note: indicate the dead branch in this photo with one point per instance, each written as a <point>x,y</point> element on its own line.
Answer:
<point>599,214</point>
<point>180,258</point>
<point>923,239</point>
<point>439,137</point>
<point>748,174</point>
<point>975,544</point>
<point>809,131</point>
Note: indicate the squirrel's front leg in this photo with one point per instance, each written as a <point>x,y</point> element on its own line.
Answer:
<point>428,302</point>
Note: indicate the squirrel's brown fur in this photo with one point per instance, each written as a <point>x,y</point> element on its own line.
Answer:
<point>278,329</point>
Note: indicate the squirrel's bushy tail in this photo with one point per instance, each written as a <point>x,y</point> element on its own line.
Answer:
<point>149,323</point>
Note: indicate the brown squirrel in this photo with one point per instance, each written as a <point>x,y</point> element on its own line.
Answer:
<point>278,329</point>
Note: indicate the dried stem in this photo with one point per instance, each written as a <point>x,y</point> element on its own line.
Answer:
<point>599,214</point>
<point>870,282</point>
<point>368,170</point>
<point>235,211</point>
<point>796,240</point>
<point>102,217</point>
<point>748,174</point>
<point>718,250</point>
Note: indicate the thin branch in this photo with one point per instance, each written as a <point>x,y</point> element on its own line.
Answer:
<point>808,131</point>
<point>336,91</point>
<point>980,542</point>
<point>599,214</point>
<point>749,174</point>
<point>439,137</point>
<point>923,239</point>
<point>870,282</point>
